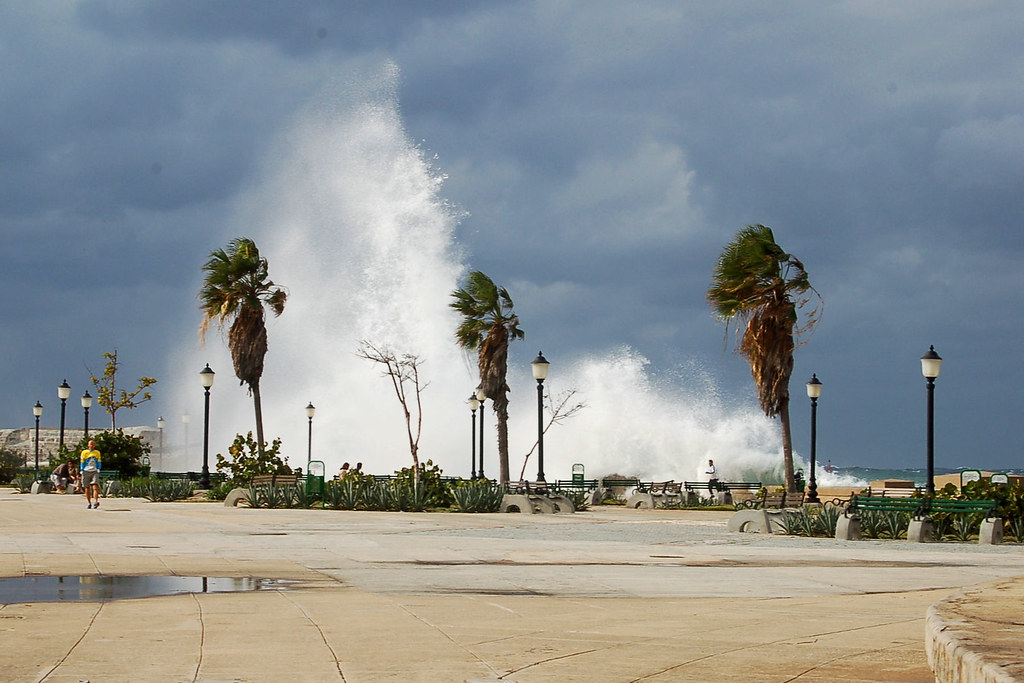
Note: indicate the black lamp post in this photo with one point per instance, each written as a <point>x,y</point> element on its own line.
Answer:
<point>63,393</point>
<point>474,403</point>
<point>37,410</point>
<point>481,396</point>
<point>310,410</point>
<point>540,372</point>
<point>206,378</point>
<point>813,392</point>
<point>86,404</point>
<point>930,365</point>
<point>160,425</point>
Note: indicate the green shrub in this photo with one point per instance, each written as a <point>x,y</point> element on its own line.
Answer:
<point>436,491</point>
<point>221,491</point>
<point>157,490</point>
<point>120,452</point>
<point>9,464</point>
<point>245,461</point>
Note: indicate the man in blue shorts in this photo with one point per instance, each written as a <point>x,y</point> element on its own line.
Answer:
<point>91,464</point>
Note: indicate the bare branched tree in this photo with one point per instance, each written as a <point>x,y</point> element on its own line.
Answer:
<point>404,372</point>
<point>563,410</point>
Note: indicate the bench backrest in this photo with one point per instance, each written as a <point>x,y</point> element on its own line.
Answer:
<point>278,479</point>
<point>949,505</point>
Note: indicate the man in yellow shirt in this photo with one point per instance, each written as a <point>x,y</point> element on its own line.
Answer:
<point>91,464</point>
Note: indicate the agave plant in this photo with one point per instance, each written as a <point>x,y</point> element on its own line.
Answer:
<point>1015,525</point>
<point>255,496</point>
<point>870,523</point>
<point>792,522</point>
<point>345,494</point>
<point>826,520</point>
<point>23,482</point>
<point>964,526</point>
<point>482,495</point>
<point>942,526</point>
<point>895,523</point>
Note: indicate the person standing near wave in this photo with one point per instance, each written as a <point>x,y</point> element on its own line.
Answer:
<point>91,464</point>
<point>712,473</point>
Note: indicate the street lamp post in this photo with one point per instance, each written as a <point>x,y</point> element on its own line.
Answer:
<point>930,365</point>
<point>160,425</point>
<point>474,403</point>
<point>37,410</point>
<point>185,420</point>
<point>63,393</point>
<point>540,372</point>
<point>86,404</point>
<point>206,378</point>
<point>310,410</point>
<point>481,396</point>
<point>813,392</point>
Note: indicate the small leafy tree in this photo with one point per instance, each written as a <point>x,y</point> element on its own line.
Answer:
<point>247,459</point>
<point>108,396</point>
<point>118,451</point>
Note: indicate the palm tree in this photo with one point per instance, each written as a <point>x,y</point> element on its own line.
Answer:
<point>236,287</point>
<point>488,326</point>
<point>759,285</point>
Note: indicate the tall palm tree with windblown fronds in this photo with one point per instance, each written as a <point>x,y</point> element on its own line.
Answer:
<point>488,326</point>
<point>236,287</point>
<point>759,285</point>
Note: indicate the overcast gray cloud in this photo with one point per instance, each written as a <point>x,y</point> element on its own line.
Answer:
<point>600,154</point>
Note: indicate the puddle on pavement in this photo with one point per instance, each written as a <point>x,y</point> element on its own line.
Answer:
<point>104,588</point>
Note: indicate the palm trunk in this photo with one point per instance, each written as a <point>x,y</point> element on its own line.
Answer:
<point>787,447</point>
<point>501,410</point>
<point>258,404</point>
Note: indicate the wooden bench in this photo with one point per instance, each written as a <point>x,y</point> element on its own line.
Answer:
<point>656,494</point>
<point>290,479</point>
<point>619,483</point>
<point>950,506</point>
<point>861,503</point>
<point>892,492</point>
<point>585,485</point>
<point>920,511</point>
<point>774,501</point>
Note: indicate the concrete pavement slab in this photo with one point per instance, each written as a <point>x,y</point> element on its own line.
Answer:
<point>610,594</point>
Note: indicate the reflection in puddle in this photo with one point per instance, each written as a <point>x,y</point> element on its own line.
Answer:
<point>103,588</point>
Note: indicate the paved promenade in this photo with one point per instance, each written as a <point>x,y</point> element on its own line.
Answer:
<point>605,595</point>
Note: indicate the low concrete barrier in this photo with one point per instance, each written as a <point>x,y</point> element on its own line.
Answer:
<point>750,521</point>
<point>974,636</point>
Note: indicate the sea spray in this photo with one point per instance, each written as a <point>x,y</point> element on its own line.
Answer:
<point>350,215</point>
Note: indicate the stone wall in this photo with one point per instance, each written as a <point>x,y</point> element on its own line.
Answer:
<point>23,440</point>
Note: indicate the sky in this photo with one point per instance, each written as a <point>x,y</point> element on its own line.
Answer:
<point>594,158</point>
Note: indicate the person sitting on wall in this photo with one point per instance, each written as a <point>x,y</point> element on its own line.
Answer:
<point>64,473</point>
<point>343,472</point>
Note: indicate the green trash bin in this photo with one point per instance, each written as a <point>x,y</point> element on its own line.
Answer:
<point>315,477</point>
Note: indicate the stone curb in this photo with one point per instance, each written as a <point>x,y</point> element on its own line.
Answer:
<point>959,649</point>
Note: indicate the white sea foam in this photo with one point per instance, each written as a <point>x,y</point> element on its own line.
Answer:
<point>351,217</point>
